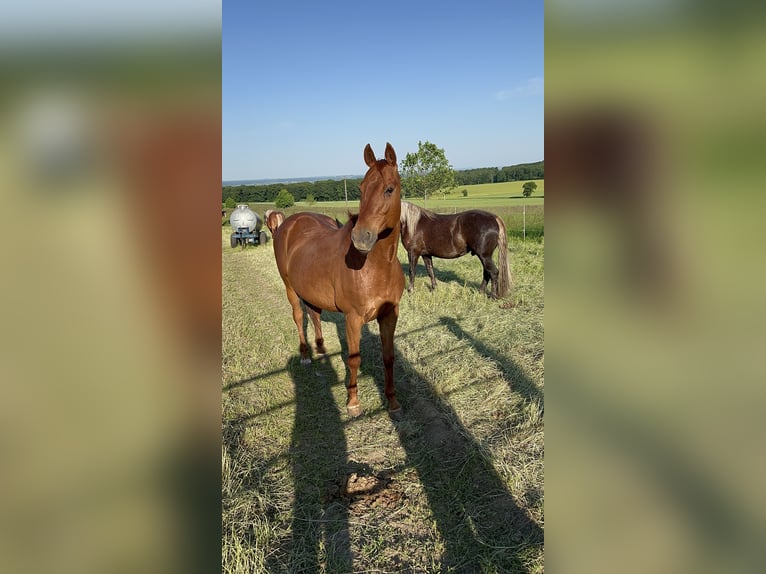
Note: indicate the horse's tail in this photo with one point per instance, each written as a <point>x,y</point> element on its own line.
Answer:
<point>504,281</point>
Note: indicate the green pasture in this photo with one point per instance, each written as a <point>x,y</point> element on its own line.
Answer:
<point>455,485</point>
<point>479,196</point>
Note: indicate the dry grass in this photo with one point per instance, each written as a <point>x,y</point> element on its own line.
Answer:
<point>455,486</point>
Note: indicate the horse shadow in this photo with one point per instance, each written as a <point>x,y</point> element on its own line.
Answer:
<point>517,381</point>
<point>319,456</point>
<point>478,519</point>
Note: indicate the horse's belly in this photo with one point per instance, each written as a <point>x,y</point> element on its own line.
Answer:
<point>314,285</point>
<point>448,252</point>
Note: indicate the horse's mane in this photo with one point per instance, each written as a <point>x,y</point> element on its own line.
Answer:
<point>412,213</point>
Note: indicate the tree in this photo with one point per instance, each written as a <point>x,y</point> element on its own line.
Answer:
<point>230,203</point>
<point>529,188</point>
<point>284,199</point>
<point>310,199</point>
<point>426,171</point>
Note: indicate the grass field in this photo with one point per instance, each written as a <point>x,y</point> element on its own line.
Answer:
<point>480,196</point>
<point>456,485</point>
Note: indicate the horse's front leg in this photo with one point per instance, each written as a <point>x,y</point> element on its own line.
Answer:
<point>353,335</point>
<point>413,257</point>
<point>430,268</point>
<point>387,325</point>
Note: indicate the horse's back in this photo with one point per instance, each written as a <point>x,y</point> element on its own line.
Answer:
<point>440,236</point>
<point>480,230</point>
<point>453,235</point>
<point>479,216</point>
<point>304,232</point>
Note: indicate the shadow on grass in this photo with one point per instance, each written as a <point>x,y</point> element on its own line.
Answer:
<point>318,455</point>
<point>482,527</point>
<point>517,381</point>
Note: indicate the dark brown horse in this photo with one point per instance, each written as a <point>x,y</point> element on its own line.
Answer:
<point>477,232</point>
<point>352,269</point>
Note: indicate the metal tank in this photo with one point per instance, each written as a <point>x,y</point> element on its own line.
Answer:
<point>245,218</point>
<point>246,226</point>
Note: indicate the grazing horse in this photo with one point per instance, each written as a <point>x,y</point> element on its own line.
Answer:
<point>273,219</point>
<point>353,269</point>
<point>449,236</point>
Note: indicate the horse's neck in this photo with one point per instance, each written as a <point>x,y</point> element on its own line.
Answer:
<point>389,245</point>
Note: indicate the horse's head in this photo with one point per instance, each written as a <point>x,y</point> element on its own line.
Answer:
<point>380,201</point>
<point>273,219</point>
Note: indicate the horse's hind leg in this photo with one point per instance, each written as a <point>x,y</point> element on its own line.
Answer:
<point>490,274</point>
<point>295,303</point>
<point>485,277</point>
<point>316,319</point>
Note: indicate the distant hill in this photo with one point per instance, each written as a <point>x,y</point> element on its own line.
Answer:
<point>517,172</point>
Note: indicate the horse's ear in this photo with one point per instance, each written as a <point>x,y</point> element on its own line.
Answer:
<point>369,156</point>
<point>390,154</point>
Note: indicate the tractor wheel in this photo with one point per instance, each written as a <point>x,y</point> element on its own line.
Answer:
<point>234,241</point>
<point>263,238</point>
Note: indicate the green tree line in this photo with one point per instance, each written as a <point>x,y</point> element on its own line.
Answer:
<point>324,190</point>
<point>332,190</point>
<point>522,171</point>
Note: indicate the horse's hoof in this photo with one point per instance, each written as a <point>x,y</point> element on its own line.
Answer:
<point>396,414</point>
<point>354,411</point>
<point>306,361</point>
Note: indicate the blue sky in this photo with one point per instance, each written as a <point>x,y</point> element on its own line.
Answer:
<point>306,85</point>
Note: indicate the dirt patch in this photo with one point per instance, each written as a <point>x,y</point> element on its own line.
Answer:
<point>363,489</point>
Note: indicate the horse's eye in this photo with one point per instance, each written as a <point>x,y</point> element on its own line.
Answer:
<point>389,190</point>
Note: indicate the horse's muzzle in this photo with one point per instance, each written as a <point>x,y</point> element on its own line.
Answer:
<point>364,239</point>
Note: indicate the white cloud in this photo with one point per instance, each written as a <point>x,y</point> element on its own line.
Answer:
<point>532,87</point>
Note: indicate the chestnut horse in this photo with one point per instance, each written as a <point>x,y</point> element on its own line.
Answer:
<point>353,269</point>
<point>449,236</point>
<point>273,219</point>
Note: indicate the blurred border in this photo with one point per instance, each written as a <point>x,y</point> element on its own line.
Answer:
<point>110,173</point>
<point>654,147</point>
